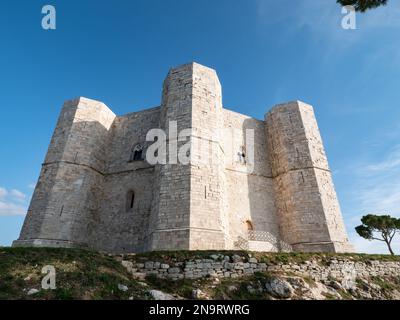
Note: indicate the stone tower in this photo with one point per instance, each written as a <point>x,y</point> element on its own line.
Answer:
<point>98,188</point>
<point>65,201</point>
<point>189,195</point>
<point>308,209</point>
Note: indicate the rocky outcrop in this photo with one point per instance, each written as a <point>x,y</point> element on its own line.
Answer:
<point>159,295</point>
<point>279,288</point>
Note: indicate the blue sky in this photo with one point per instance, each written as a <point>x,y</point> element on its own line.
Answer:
<point>265,52</point>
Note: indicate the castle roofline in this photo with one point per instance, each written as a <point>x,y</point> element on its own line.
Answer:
<point>192,64</point>
<point>86,101</point>
<point>297,103</point>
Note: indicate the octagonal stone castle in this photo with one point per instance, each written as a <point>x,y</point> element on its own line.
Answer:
<point>96,190</point>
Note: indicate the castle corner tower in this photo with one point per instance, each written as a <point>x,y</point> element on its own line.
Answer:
<point>188,213</point>
<point>308,210</point>
<point>65,202</point>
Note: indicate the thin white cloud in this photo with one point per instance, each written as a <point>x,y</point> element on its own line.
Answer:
<point>18,195</point>
<point>392,161</point>
<point>381,199</point>
<point>12,202</point>
<point>3,193</point>
<point>375,190</point>
<point>322,15</point>
<point>11,209</point>
<point>322,20</point>
<point>379,184</point>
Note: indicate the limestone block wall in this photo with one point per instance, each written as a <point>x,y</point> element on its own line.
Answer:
<point>129,226</point>
<point>127,132</point>
<point>207,185</point>
<point>170,218</point>
<point>120,228</point>
<point>277,196</point>
<point>249,187</point>
<point>308,210</point>
<point>65,200</point>
<point>235,266</point>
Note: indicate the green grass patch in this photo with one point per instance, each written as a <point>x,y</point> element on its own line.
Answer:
<point>80,274</point>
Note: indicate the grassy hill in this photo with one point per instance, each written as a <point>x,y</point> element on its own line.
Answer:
<point>80,275</point>
<point>91,275</point>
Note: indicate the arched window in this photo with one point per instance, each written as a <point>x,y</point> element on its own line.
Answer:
<point>130,201</point>
<point>249,225</point>
<point>137,153</point>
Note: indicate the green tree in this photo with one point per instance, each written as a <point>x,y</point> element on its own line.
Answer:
<point>384,226</point>
<point>363,5</point>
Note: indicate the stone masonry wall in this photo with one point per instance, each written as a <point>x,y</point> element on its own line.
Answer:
<point>129,226</point>
<point>65,203</point>
<point>234,266</point>
<point>208,222</point>
<point>279,196</point>
<point>170,213</point>
<point>249,187</point>
<point>308,210</point>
